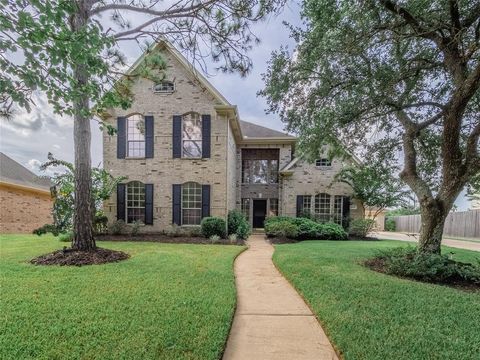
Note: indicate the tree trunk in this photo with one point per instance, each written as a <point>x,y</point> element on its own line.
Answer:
<point>83,239</point>
<point>433,215</point>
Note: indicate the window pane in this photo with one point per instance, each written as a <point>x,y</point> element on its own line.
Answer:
<point>273,172</point>
<point>322,207</point>
<point>191,203</point>
<point>164,86</point>
<point>323,162</point>
<point>135,201</point>
<point>338,209</point>
<point>273,207</point>
<point>306,206</point>
<point>192,135</point>
<point>135,136</point>
<point>246,208</point>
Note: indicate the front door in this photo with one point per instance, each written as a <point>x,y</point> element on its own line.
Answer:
<point>259,213</point>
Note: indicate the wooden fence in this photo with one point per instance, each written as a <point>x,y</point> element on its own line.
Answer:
<point>461,224</point>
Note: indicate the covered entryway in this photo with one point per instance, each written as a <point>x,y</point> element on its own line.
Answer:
<point>259,213</point>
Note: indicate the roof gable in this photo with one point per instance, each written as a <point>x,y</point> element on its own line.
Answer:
<point>251,130</point>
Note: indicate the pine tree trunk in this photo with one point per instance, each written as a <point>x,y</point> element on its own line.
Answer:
<point>83,239</point>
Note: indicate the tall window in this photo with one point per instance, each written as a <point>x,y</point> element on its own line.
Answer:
<point>273,207</point>
<point>192,136</point>
<point>322,207</point>
<point>259,171</point>
<point>135,201</point>
<point>338,209</point>
<point>246,208</point>
<point>135,136</point>
<point>164,87</point>
<point>191,203</point>
<point>306,205</point>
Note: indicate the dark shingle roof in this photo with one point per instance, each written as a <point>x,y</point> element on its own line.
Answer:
<point>12,172</point>
<point>250,130</point>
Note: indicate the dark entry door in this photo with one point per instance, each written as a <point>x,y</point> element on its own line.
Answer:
<point>259,213</point>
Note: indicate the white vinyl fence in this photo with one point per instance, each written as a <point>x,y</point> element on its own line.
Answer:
<point>461,224</point>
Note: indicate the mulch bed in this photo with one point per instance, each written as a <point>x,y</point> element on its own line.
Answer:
<point>378,265</point>
<point>161,238</point>
<point>275,240</point>
<point>70,257</point>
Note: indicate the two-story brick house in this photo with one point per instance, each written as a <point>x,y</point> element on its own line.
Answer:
<point>188,155</point>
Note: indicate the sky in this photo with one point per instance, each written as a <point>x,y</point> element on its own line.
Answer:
<point>29,137</point>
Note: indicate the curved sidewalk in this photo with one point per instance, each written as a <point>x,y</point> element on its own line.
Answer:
<point>271,321</point>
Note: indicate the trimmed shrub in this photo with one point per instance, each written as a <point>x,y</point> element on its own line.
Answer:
<point>408,262</point>
<point>135,229</point>
<point>330,231</point>
<point>213,226</point>
<point>308,229</point>
<point>194,231</point>
<point>215,239</point>
<point>66,237</point>
<point>118,227</point>
<point>244,230</point>
<point>361,227</point>
<point>100,223</point>
<point>232,238</point>
<point>390,224</point>
<point>238,224</point>
<point>282,229</point>
<point>47,228</point>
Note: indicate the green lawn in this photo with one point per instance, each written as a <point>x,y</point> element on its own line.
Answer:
<point>165,302</point>
<point>368,315</point>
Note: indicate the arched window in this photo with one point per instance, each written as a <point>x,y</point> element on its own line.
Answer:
<point>191,203</point>
<point>192,135</point>
<point>165,87</point>
<point>135,201</point>
<point>322,206</point>
<point>135,136</point>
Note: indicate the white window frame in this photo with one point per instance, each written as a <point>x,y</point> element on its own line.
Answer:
<point>323,163</point>
<point>164,89</point>
<point>197,141</point>
<point>323,212</point>
<point>131,122</point>
<point>132,190</point>
<point>197,188</point>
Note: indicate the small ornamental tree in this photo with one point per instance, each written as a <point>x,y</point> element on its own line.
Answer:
<point>383,76</point>
<point>69,50</point>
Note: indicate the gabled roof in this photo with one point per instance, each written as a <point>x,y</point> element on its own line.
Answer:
<point>251,130</point>
<point>12,172</point>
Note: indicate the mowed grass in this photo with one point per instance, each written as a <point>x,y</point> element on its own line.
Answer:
<point>368,315</point>
<point>165,302</point>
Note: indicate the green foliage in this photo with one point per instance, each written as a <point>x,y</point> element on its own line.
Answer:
<point>47,228</point>
<point>213,226</point>
<point>361,227</point>
<point>408,262</point>
<point>402,211</point>
<point>238,224</point>
<point>118,227</point>
<point>135,228</point>
<point>349,298</point>
<point>281,229</point>
<point>214,239</point>
<point>390,224</point>
<point>63,189</point>
<point>184,281</point>
<point>66,237</point>
<point>233,238</point>
<point>306,229</point>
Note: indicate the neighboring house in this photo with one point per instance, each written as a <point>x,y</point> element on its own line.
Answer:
<point>26,203</point>
<point>187,155</point>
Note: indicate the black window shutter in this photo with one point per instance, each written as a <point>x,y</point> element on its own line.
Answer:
<point>177,136</point>
<point>177,204</point>
<point>121,138</point>
<point>121,202</point>
<point>206,135</point>
<point>148,204</point>
<point>345,212</point>
<point>149,136</point>
<point>205,201</point>
<point>299,205</point>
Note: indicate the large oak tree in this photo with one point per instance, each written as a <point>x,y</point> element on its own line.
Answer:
<point>69,50</point>
<point>385,75</point>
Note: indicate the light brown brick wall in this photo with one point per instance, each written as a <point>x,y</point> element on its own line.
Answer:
<point>163,170</point>
<point>22,211</point>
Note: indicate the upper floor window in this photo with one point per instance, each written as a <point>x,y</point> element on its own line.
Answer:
<point>273,207</point>
<point>259,171</point>
<point>164,87</point>
<point>135,136</point>
<point>135,201</point>
<point>192,135</point>
<point>191,203</point>
<point>323,163</point>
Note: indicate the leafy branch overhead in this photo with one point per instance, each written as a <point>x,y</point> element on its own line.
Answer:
<point>389,76</point>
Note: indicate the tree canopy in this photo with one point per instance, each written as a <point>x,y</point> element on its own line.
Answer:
<point>388,76</point>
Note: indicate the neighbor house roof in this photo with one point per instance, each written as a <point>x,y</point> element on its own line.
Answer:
<point>11,172</point>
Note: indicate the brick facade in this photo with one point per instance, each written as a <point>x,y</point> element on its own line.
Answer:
<point>222,171</point>
<point>22,211</point>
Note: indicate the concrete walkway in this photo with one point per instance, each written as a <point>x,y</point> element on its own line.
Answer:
<point>468,245</point>
<point>271,321</point>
